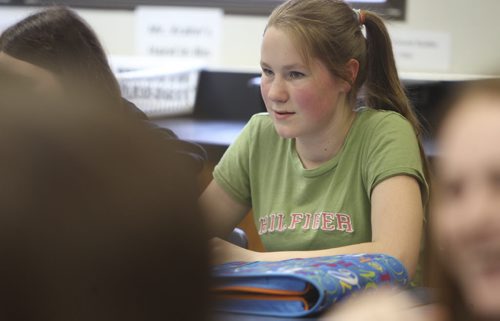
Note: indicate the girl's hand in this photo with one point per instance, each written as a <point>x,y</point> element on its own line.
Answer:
<point>223,252</point>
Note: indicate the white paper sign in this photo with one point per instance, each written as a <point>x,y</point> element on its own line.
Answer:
<point>416,50</point>
<point>179,32</point>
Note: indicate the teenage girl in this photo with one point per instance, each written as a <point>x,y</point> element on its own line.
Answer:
<point>323,175</point>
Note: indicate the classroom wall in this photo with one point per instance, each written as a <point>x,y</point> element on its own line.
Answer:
<point>473,26</point>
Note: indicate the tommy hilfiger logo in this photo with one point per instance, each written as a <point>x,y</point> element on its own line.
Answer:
<point>325,221</point>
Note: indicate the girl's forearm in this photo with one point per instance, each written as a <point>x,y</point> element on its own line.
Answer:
<point>368,247</point>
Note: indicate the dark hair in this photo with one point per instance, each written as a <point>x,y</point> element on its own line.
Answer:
<point>99,217</point>
<point>329,30</point>
<point>58,40</point>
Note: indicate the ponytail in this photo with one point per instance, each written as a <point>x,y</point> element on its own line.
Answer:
<point>383,89</point>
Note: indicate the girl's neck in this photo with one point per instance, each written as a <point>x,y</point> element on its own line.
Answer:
<point>318,148</point>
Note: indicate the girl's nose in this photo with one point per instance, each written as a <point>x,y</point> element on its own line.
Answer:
<point>277,91</point>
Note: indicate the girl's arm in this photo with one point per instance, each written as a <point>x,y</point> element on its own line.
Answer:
<point>222,212</point>
<point>397,219</point>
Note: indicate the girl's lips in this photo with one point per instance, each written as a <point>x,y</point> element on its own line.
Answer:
<point>282,114</point>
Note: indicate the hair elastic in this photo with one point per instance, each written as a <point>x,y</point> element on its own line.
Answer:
<point>360,14</point>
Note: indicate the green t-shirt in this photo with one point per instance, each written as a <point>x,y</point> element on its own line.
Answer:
<point>297,209</point>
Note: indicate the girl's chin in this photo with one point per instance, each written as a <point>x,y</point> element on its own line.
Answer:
<point>286,131</point>
<point>287,134</point>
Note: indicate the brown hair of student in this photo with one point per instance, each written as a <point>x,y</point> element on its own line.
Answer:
<point>58,40</point>
<point>329,30</point>
<point>98,216</point>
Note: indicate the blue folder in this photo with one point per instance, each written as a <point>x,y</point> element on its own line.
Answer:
<point>301,287</point>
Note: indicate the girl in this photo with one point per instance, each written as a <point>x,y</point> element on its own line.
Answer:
<point>465,218</point>
<point>322,176</point>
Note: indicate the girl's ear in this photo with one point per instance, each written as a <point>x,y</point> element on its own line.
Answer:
<point>352,67</point>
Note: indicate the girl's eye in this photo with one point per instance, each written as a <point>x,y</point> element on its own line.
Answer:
<point>296,75</point>
<point>267,72</point>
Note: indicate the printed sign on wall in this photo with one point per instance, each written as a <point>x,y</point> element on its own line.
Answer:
<point>179,32</point>
<point>417,50</point>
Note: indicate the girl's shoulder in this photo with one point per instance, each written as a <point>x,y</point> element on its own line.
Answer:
<point>373,121</point>
<point>261,119</point>
<point>261,124</point>
<point>257,131</point>
<point>375,116</point>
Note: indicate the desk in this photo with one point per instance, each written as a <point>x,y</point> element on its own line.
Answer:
<point>211,132</point>
<point>214,135</point>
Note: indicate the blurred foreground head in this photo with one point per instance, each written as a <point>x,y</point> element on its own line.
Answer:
<point>98,219</point>
<point>466,216</point>
<point>58,52</point>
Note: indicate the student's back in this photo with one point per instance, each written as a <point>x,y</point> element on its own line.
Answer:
<point>94,208</point>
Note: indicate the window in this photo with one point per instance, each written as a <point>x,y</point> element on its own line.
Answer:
<point>391,9</point>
